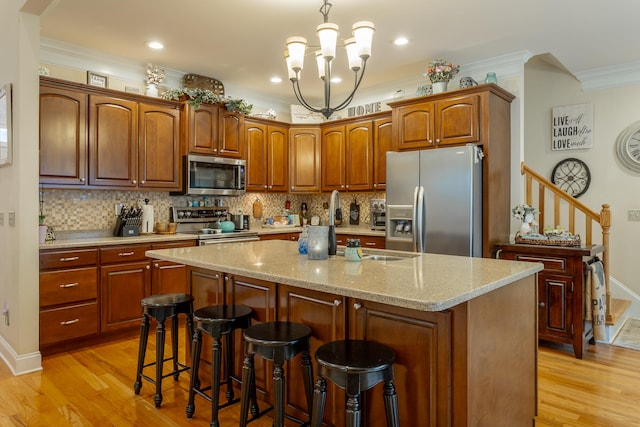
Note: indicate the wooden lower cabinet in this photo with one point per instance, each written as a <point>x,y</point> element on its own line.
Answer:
<point>376,242</point>
<point>422,369</point>
<point>169,277</point>
<point>122,287</point>
<point>325,314</point>
<point>68,296</point>
<point>261,297</point>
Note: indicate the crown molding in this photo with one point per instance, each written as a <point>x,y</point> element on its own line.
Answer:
<point>609,77</point>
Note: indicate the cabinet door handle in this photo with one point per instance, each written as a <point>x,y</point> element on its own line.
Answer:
<point>142,182</point>
<point>542,304</point>
<point>69,322</point>
<point>147,267</point>
<point>82,179</point>
<point>69,285</point>
<point>357,306</point>
<point>156,265</point>
<point>135,181</point>
<point>438,140</point>
<point>216,276</point>
<point>126,253</point>
<point>71,258</point>
<point>337,302</point>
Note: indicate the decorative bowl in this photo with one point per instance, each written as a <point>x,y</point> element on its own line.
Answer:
<point>226,226</point>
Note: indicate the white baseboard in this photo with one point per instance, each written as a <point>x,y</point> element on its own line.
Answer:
<point>19,363</point>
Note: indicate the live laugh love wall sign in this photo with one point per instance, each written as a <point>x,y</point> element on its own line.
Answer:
<point>572,127</point>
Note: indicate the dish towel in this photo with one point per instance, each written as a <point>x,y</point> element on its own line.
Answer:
<point>596,300</point>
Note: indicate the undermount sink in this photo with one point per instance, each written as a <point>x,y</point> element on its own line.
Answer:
<point>382,257</point>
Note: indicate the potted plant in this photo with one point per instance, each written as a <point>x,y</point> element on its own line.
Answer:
<point>195,97</point>
<point>440,72</point>
<point>155,76</point>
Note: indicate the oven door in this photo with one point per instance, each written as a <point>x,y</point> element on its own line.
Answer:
<point>204,242</point>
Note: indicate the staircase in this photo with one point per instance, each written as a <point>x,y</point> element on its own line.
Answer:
<point>557,207</point>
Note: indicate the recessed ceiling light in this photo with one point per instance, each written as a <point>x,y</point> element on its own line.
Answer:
<point>401,41</point>
<point>155,45</point>
<point>276,80</point>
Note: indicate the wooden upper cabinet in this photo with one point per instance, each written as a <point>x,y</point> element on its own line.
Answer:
<point>304,158</point>
<point>333,162</point>
<point>159,147</point>
<point>256,142</point>
<point>63,136</point>
<point>231,139</point>
<point>434,123</point>
<point>267,156</point>
<point>202,128</point>
<point>382,142</point>
<point>113,141</point>
<point>458,120</point>
<point>277,158</point>
<point>359,152</point>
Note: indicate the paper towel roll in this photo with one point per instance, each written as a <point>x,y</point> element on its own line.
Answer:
<point>147,219</point>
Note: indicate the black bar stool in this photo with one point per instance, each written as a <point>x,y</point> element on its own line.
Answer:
<point>217,321</point>
<point>355,366</point>
<point>278,342</point>
<point>162,307</point>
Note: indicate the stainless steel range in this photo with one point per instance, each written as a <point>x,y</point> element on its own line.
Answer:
<point>194,220</point>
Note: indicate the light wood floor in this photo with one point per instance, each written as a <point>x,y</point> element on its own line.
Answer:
<point>93,387</point>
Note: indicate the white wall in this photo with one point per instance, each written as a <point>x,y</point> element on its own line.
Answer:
<point>19,45</point>
<point>614,109</point>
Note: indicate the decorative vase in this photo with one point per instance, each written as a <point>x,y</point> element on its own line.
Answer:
<point>439,87</point>
<point>525,228</point>
<point>152,90</point>
<point>42,233</point>
<point>491,78</point>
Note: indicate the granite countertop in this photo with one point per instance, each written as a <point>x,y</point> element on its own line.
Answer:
<point>426,282</point>
<point>80,239</point>
<point>102,239</point>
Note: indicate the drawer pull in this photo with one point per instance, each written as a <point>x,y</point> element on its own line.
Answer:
<point>126,253</point>
<point>69,322</point>
<point>369,243</point>
<point>71,258</point>
<point>69,285</point>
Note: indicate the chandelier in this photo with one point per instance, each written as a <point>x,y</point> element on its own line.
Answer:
<point>358,52</point>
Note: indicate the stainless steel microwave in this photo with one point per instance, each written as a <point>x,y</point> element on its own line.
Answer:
<point>217,176</point>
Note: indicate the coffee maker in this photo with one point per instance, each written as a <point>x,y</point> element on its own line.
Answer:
<point>378,214</point>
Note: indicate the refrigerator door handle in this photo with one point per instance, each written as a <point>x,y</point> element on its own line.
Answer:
<point>414,222</point>
<point>419,224</point>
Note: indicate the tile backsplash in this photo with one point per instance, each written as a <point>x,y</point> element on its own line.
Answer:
<point>79,210</point>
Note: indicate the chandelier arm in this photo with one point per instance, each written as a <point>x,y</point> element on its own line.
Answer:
<point>327,85</point>
<point>300,98</point>
<point>358,80</point>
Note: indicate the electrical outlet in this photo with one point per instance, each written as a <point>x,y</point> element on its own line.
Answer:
<point>5,313</point>
<point>12,219</point>
<point>633,215</point>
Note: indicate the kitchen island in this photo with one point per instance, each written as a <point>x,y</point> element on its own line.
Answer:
<point>463,329</point>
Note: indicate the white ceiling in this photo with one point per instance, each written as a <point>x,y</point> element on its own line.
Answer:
<point>241,42</point>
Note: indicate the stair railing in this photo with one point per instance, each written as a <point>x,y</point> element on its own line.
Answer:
<point>548,189</point>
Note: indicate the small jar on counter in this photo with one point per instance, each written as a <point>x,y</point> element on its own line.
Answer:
<point>353,251</point>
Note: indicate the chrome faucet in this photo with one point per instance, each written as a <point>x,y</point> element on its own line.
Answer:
<point>333,244</point>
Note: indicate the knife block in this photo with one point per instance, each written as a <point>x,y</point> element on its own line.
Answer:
<point>131,230</point>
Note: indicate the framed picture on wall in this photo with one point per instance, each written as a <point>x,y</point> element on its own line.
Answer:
<point>5,125</point>
<point>94,79</point>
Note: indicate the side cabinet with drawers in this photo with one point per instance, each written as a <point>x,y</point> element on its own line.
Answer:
<point>68,295</point>
<point>89,292</point>
<point>561,290</point>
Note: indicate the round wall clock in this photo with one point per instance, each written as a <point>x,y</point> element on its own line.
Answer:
<point>572,175</point>
<point>628,147</point>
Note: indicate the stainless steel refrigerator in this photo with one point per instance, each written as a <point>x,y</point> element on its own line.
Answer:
<point>434,201</point>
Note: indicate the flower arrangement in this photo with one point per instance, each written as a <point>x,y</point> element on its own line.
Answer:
<point>197,96</point>
<point>155,75</point>
<point>440,70</point>
<point>524,213</point>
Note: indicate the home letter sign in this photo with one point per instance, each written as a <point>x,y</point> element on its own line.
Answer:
<point>572,127</point>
